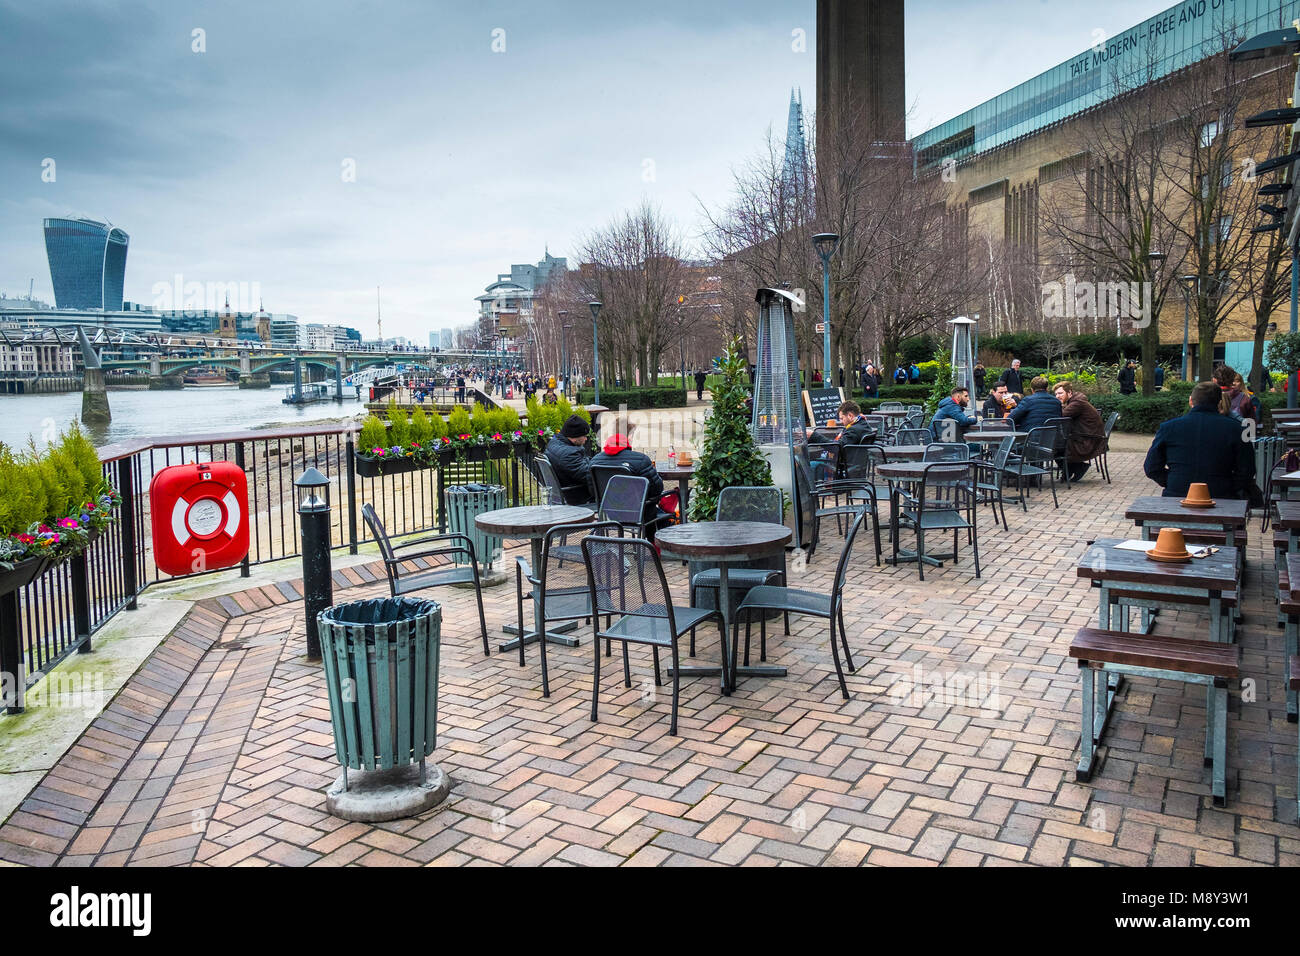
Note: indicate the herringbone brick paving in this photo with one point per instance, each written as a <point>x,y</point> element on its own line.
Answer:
<point>218,752</point>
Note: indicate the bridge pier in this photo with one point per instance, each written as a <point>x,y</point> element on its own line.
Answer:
<point>255,380</point>
<point>159,383</point>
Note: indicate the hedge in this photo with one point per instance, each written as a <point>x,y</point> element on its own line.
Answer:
<point>1145,415</point>
<point>660,397</point>
<point>901,393</point>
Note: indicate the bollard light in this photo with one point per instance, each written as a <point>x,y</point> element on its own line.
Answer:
<point>317,580</point>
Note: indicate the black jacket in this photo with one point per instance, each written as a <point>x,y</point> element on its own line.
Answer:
<point>1035,410</point>
<point>1201,446</point>
<point>857,433</point>
<point>639,464</point>
<point>1014,383</point>
<point>573,468</point>
<point>1127,379</point>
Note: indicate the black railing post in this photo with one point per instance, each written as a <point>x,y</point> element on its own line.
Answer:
<point>351,467</point>
<point>14,676</point>
<point>317,582</point>
<point>126,518</point>
<point>244,570</point>
<point>80,602</point>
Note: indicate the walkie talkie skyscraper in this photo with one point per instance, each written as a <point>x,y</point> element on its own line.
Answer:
<point>778,413</point>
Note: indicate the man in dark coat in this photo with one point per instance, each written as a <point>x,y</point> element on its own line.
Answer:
<point>700,378</point>
<point>568,457</point>
<point>1128,378</point>
<point>1012,380</point>
<point>1036,408</point>
<point>856,427</point>
<point>870,381</point>
<point>1202,446</point>
<point>618,451</point>
<point>1087,433</point>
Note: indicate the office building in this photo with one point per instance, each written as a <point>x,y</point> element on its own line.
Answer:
<point>87,263</point>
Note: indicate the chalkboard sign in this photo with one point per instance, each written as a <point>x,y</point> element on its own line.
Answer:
<point>822,404</point>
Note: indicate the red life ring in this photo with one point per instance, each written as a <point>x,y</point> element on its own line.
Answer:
<point>200,517</point>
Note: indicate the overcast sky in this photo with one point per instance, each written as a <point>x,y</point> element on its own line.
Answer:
<point>230,164</point>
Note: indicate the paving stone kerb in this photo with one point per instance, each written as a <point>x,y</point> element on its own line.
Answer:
<point>958,746</point>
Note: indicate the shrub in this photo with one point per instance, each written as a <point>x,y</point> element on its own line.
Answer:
<point>480,421</point>
<point>421,429</point>
<point>899,393</point>
<point>728,455</point>
<point>23,501</point>
<point>660,397</point>
<point>374,434</point>
<point>458,422</point>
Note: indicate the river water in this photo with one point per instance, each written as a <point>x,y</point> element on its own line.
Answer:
<point>136,414</point>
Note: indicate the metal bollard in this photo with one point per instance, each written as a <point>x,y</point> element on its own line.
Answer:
<point>317,582</point>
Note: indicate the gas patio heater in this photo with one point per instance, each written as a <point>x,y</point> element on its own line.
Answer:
<point>963,354</point>
<point>778,422</point>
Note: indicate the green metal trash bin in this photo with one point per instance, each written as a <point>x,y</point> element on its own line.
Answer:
<point>464,504</point>
<point>381,670</point>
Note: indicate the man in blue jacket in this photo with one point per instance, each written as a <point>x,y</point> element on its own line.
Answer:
<point>1202,446</point>
<point>950,419</point>
<point>1037,407</point>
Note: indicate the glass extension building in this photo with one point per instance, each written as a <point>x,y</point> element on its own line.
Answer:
<point>1181,35</point>
<point>87,263</point>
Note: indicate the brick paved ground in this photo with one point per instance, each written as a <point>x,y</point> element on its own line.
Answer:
<point>219,750</point>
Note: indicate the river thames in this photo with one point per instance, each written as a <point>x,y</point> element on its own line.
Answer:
<point>144,413</point>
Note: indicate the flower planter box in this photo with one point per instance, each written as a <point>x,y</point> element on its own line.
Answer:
<point>23,574</point>
<point>375,467</point>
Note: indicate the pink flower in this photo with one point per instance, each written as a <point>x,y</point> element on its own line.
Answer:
<point>69,523</point>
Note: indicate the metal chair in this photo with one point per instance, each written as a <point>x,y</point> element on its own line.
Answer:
<point>915,419</point>
<point>744,503</point>
<point>912,436</point>
<point>1059,444</point>
<point>560,582</point>
<point>624,501</point>
<point>947,451</point>
<point>558,493</point>
<point>944,501</point>
<point>813,603</point>
<point>1036,460</point>
<point>403,580</point>
<point>824,460</point>
<point>1103,466</point>
<point>600,475</point>
<point>990,477</point>
<point>625,579</point>
<point>891,406</point>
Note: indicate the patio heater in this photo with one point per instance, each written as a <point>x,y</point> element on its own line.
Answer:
<point>963,353</point>
<point>778,413</point>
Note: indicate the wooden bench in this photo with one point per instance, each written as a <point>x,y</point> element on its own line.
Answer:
<point>1163,658</point>
<point>1288,612</point>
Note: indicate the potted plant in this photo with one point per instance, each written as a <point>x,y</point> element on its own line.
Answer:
<point>54,504</point>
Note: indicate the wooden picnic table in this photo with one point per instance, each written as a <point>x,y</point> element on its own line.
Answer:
<point>1228,516</point>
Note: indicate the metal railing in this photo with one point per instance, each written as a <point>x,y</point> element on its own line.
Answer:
<point>59,611</point>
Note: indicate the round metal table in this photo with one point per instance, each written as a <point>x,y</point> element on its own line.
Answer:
<point>533,522</point>
<point>682,474</point>
<point>726,542</point>
<point>902,472</point>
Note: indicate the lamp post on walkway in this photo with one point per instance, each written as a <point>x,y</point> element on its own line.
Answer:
<point>826,243</point>
<point>595,348</point>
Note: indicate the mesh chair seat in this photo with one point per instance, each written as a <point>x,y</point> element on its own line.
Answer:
<point>654,630</point>
<point>737,578</point>
<point>941,519</point>
<point>570,604</point>
<point>435,577</point>
<point>797,600</point>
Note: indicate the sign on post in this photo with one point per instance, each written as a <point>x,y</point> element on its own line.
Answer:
<point>822,404</point>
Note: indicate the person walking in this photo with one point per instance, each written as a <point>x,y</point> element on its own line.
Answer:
<point>980,375</point>
<point>870,381</point>
<point>700,379</point>
<point>1128,378</point>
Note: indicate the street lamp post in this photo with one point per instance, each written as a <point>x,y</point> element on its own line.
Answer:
<point>595,348</point>
<point>825,243</point>
<point>564,350</point>
<point>1186,283</point>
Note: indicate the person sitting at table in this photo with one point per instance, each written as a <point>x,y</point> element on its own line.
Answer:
<point>952,409</point>
<point>1202,446</point>
<point>618,451</point>
<point>1087,434</point>
<point>857,429</point>
<point>999,402</point>
<point>1037,407</point>
<point>567,454</point>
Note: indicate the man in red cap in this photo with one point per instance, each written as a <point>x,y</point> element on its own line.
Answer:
<point>618,451</point>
